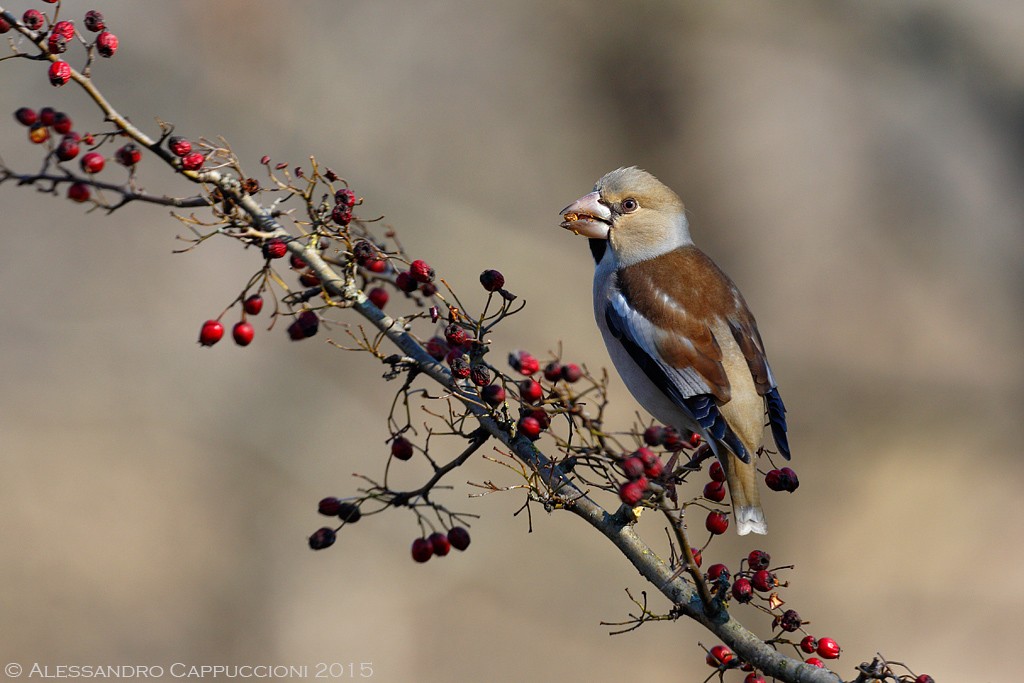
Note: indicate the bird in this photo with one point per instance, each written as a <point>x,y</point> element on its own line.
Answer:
<point>677,329</point>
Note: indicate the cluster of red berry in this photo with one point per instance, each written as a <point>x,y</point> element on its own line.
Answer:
<point>61,33</point>
<point>439,544</point>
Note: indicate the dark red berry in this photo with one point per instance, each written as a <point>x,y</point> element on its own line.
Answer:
<point>421,271</point>
<point>179,145</point>
<point>5,25</point>
<point>56,44</point>
<point>790,621</point>
<point>329,506</point>
<point>349,513</point>
<point>65,29</point>
<point>553,371</point>
<point>754,678</point>
<point>345,197</point>
<point>632,492</point>
<point>341,214</point>
<point>26,116</point>
<point>422,549</point>
<point>717,570</point>
<point>633,467</point>
<point>243,333</point>
<point>455,335</point>
<point>654,435</point>
<point>33,19</point>
<point>459,538</point>
<point>790,479</point>
<point>653,467</point>
<point>94,21</point>
<point>571,373</point>
<point>211,333</point>
<point>828,648</point>
<point>274,248</point>
<point>67,149</point>
<point>492,280</point>
<point>742,590</point>
<point>523,363</point>
<point>253,304</point>
<point>60,73</point>
<point>79,192</point>
<point>193,161</point>
<point>809,645</point>
<point>530,426</point>
<point>773,480</point>
<point>924,678</point>
<point>758,559</point>
<point>531,391</point>
<point>305,325</point>
<point>129,155</point>
<point>106,44</point>
<point>716,472</point>
<point>814,661</point>
<point>405,282</point>
<point>716,523</point>
<point>47,116</point>
<point>460,367</point>
<point>309,279</point>
<point>378,296</point>
<point>437,348</point>
<point>93,162</point>
<point>493,394</point>
<point>763,580</point>
<point>714,490</point>
<point>62,123</point>
<point>401,448</point>
<point>439,543</point>
<point>480,375</point>
<point>322,538</point>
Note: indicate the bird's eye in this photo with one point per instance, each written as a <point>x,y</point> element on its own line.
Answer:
<point>629,205</point>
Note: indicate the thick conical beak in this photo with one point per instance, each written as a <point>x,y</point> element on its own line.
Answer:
<point>587,216</point>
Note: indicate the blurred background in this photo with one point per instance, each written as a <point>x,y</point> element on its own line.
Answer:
<point>855,166</point>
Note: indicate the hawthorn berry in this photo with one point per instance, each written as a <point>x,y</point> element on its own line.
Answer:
<point>378,296</point>
<point>26,116</point>
<point>754,678</point>
<point>329,506</point>
<point>571,373</point>
<point>480,375</point>
<point>809,644</point>
<point>79,192</point>
<point>716,523</point>
<point>553,371</point>
<point>791,480</point>
<point>38,133</point>
<point>530,390</point>
<point>790,621</point>
<point>492,280</point>
<point>179,145</point>
<point>763,580</point>
<point>94,21</point>
<point>654,435</point>
<point>309,279</point>
<point>698,556</point>
<point>5,25</point>
<point>421,271</point>
<point>345,197</point>
<point>405,282</point>
<point>814,661</point>
<point>422,549</point>
<point>65,29</point>
<point>633,467</point>
<point>93,162</point>
<point>129,155</point>
<point>193,161</point>
<point>401,448</point>
<point>653,467</point>
<point>33,19</point>
<point>47,116</point>
<point>106,44</point>
<point>428,289</point>
<point>341,214</point>
<point>60,73</point>
<point>243,333</point>
<point>714,490</point>
<point>459,538</point>
<point>460,367</point>
<point>274,248</point>
<point>493,394</point>
<point>523,363</point>
<point>828,648</point>
<point>437,348</point>
<point>716,570</point>
<point>759,559</point>
<point>924,678</point>
<point>742,590</point>
<point>720,655</point>
<point>716,472</point>
<point>632,492</point>
<point>305,325</point>
<point>253,304</point>
<point>455,335</point>
<point>322,538</point>
<point>783,479</point>
<point>211,332</point>
<point>62,123</point>
<point>530,427</point>
<point>56,44</point>
<point>349,512</point>
<point>67,149</point>
<point>439,543</point>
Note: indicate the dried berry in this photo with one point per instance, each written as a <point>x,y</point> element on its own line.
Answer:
<point>406,282</point>
<point>94,21</point>
<point>341,214</point>
<point>345,197</point>
<point>492,280</point>
<point>763,580</point>
<point>480,375</point>
<point>759,559</point>
<point>38,133</point>
<point>654,435</point>
<point>809,644</point>
<point>790,621</point>
<point>455,335</point>
<point>106,44</point>
<point>421,271</point>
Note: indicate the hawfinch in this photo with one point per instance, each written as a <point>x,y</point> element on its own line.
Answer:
<point>678,330</point>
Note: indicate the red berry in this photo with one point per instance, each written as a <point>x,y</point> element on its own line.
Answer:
<point>65,28</point>
<point>93,162</point>
<point>253,305</point>
<point>530,426</point>
<point>79,192</point>
<point>814,661</point>
<point>459,364</point>
<point>345,197</point>
<point>405,282</point>
<point>773,480</point>
<point>341,214</point>
<point>789,621</point>
<point>716,523</point>
<point>56,44</point>
<point>790,479</point>
<point>721,655</point>
<point>493,394</point>
<point>378,266</point>
<point>94,21</point>
<point>717,570</point>
<point>437,348</point>
<point>243,333</point>
<point>698,557</point>
<point>714,490</point>
<point>571,373</point>
<point>297,262</point>
<point>106,44</point>
<point>67,149</point>
<point>654,435</point>
<point>459,538</point>
<point>531,391</point>
<point>523,362</point>
<point>129,155</point>
<point>492,280</point>
<point>179,145</point>
<point>309,279</point>
<point>553,372</point>
<point>350,513</point>
<point>716,472</point>
<point>653,467</point>
<point>5,25</point>
<point>378,296</point>
<point>742,590</point>
<point>421,271</point>
<point>363,252</point>
<point>924,678</point>
<point>759,559</point>
<point>632,492</point>
<point>62,123</point>
<point>422,549</point>
<point>401,448</point>
<point>33,19</point>
<point>480,375</point>
<point>763,580</point>
<point>633,467</point>
<point>38,133</point>
<point>26,116</point>
<point>322,538</point>
<point>455,335</point>
<point>193,161</point>
<point>754,678</point>
<point>329,506</point>
<point>211,333</point>
<point>439,543</point>
<point>809,644</point>
<point>828,648</point>
<point>274,248</point>
<point>60,73</point>
<point>47,116</point>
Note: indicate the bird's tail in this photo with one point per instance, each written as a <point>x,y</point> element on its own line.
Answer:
<point>746,502</point>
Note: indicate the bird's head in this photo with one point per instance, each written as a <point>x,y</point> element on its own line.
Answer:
<point>637,213</point>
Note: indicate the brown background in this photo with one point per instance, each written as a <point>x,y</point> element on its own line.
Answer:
<point>855,167</point>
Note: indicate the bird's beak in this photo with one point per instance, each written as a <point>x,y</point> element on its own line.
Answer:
<point>587,216</point>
